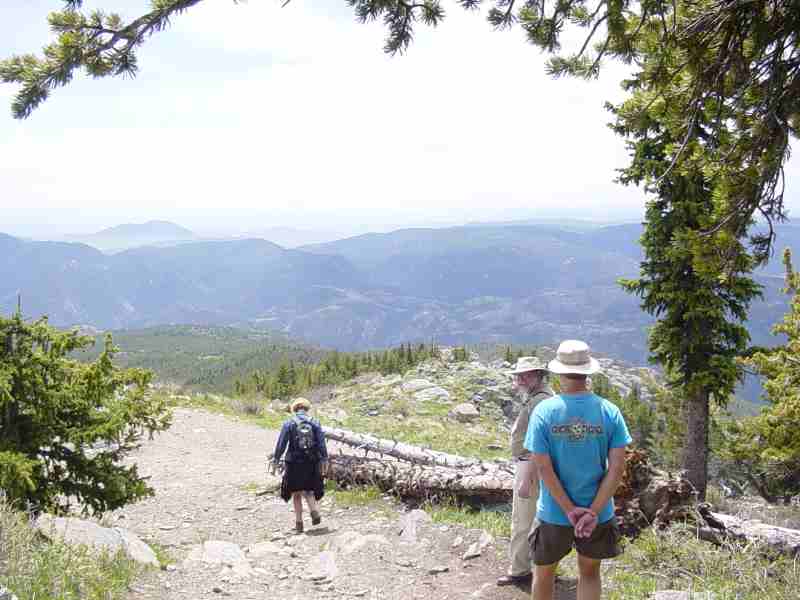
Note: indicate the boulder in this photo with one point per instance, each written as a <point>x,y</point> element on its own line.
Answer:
<point>433,394</point>
<point>350,541</point>
<point>81,532</point>
<point>415,385</point>
<point>227,554</point>
<point>465,413</point>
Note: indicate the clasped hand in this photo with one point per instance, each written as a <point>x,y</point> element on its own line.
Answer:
<point>584,520</point>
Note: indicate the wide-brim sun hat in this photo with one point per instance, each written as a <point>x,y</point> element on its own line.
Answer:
<point>573,358</point>
<point>525,364</point>
<point>299,403</point>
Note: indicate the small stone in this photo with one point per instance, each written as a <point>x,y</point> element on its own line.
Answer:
<point>5,594</point>
<point>458,541</point>
<point>472,552</point>
<point>438,569</point>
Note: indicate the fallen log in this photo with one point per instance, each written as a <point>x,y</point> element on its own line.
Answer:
<point>720,528</point>
<point>646,497</point>
<point>403,451</point>
<point>476,483</point>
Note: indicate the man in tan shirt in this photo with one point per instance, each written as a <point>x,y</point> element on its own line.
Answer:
<point>530,378</point>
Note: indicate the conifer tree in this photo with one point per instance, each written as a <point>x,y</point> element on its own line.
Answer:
<point>65,425</point>
<point>508,356</point>
<point>766,448</point>
<point>695,276</point>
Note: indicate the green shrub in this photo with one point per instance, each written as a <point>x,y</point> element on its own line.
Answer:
<point>65,425</point>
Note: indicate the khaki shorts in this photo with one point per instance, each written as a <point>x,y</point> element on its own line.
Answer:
<point>550,543</point>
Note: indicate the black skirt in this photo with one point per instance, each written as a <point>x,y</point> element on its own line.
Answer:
<point>302,477</point>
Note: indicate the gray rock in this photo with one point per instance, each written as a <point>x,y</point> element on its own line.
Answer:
<point>475,549</point>
<point>415,385</point>
<point>433,394</point>
<point>323,567</point>
<point>350,541</point>
<point>438,569</point>
<point>6,594</point>
<point>465,413</point>
<point>227,554</point>
<point>79,531</point>
<point>472,552</point>
<point>409,523</point>
<point>262,549</point>
<point>483,591</point>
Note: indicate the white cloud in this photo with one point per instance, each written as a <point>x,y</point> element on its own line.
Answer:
<point>294,115</point>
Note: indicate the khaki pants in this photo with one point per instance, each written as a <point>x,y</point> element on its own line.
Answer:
<point>523,512</point>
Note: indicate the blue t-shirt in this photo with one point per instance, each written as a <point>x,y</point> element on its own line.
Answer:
<point>576,431</point>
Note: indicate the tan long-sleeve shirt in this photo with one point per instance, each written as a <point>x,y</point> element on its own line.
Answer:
<point>520,427</point>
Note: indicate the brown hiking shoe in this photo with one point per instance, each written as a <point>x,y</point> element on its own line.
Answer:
<point>316,519</point>
<point>298,526</point>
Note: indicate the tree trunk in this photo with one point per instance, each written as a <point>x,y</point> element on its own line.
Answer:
<point>475,484</point>
<point>695,458</point>
<point>407,452</point>
<point>722,528</point>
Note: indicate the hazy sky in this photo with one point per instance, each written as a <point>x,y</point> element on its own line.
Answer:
<point>250,116</point>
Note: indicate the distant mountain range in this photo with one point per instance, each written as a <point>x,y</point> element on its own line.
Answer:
<point>124,237</point>
<point>164,233</point>
<point>489,283</point>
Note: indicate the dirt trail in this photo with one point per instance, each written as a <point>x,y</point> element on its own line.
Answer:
<point>206,470</point>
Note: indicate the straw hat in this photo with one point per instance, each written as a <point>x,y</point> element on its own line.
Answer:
<point>528,363</point>
<point>299,403</point>
<point>573,358</point>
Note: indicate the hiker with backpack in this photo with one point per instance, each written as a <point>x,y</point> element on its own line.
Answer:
<point>303,441</point>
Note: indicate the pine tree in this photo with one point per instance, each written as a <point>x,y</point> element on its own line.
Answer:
<point>694,278</point>
<point>65,425</point>
<point>508,356</point>
<point>766,448</point>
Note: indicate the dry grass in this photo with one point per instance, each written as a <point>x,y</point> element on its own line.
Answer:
<point>35,569</point>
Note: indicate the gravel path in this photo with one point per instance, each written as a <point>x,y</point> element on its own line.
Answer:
<point>207,470</point>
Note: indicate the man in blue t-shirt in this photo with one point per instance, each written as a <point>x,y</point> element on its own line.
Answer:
<point>578,443</point>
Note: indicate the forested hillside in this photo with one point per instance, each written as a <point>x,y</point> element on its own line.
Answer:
<point>509,284</point>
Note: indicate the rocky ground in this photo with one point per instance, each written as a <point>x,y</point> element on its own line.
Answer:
<point>218,534</point>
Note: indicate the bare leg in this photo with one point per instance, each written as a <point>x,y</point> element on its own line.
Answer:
<point>297,500</point>
<point>589,584</point>
<point>544,582</point>
<point>311,501</point>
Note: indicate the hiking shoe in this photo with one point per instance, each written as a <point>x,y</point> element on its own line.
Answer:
<point>316,519</point>
<point>514,579</point>
<point>298,526</point>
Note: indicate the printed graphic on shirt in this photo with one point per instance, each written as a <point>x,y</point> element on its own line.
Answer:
<point>576,430</point>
